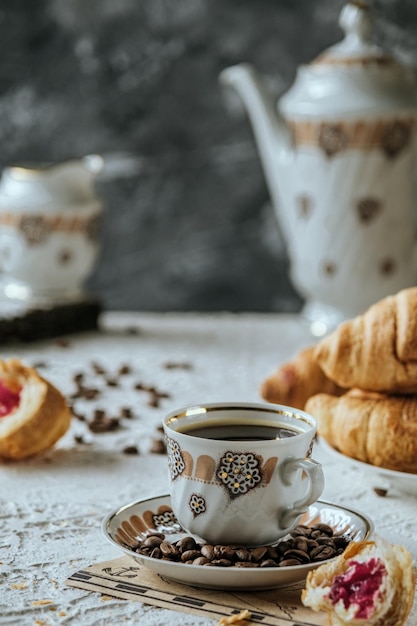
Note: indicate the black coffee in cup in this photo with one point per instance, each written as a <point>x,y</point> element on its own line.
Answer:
<point>240,432</point>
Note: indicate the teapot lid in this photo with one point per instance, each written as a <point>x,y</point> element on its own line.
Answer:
<point>353,76</point>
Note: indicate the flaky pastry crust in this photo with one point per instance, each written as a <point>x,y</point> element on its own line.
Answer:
<point>395,596</point>
<point>374,428</point>
<point>376,351</point>
<point>41,417</point>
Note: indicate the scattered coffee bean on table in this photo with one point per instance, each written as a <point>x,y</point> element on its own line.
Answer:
<point>305,544</point>
<point>158,446</point>
<point>131,450</point>
<point>172,365</point>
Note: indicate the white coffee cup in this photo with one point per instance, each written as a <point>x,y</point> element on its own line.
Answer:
<point>241,473</point>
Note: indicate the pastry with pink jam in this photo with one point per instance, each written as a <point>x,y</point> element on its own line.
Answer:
<point>33,413</point>
<point>370,584</point>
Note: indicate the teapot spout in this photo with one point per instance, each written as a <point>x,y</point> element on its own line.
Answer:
<point>272,135</point>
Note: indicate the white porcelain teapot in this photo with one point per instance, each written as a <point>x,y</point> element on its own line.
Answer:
<point>338,152</point>
<point>48,229</point>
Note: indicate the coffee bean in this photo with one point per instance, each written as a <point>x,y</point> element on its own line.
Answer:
<point>170,365</point>
<point>325,541</point>
<point>272,552</point>
<point>322,552</point>
<point>284,545</point>
<point>130,450</point>
<point>300,543</point>
<point>258,553</point>
<point>186,543</point>
<point>103,424</point>
<point>201,560</point>
<point>224,552</point>
<point>340,542</point>
<point>289,563</point>
<point>156,553</point>
<point>323,528</point>
<point>157,446</point>
<point>301,556</point>
<point>97,368</point>
<point>169,550</point>
<point>243,554</point>
<point>88,393</point>
<point>208,551</point>
<point>153,541</point>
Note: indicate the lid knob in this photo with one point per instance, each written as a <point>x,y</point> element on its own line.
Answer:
<point>355,20</point>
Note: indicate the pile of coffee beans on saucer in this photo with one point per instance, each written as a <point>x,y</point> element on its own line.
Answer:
<point>305,544</point>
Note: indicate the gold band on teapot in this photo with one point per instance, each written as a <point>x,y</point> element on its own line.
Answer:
<point>389,136</point>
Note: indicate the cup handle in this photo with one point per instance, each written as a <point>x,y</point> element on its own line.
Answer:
<point>314,472</point>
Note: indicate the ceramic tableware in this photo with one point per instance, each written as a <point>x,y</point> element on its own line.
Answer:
<point>339,155</point>
<point>241,473</point>
<point>128,524</point>
<point>381,476</point>
<point>49,216</point>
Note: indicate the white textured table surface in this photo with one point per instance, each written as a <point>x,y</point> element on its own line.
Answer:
<point>51,508</point>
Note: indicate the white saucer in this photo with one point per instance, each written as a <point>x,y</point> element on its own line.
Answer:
<point>124,526</point>
<point>402,481</point>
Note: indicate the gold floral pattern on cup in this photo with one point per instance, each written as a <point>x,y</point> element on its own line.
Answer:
<point>197,504</point>
<point>239,472</point>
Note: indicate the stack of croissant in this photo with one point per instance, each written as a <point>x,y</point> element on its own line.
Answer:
<point>360,382</point>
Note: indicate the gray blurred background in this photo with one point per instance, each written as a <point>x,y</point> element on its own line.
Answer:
<point>187,222</point>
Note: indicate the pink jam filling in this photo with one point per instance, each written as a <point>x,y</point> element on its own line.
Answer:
<point>9,400</point>
<point>359,585</point>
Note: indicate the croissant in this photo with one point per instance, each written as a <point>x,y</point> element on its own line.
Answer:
<point>295,381</point>
<point>371,427</point>
<point>370,584</point>
<point>33,413</point>
<point>377,350</point>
